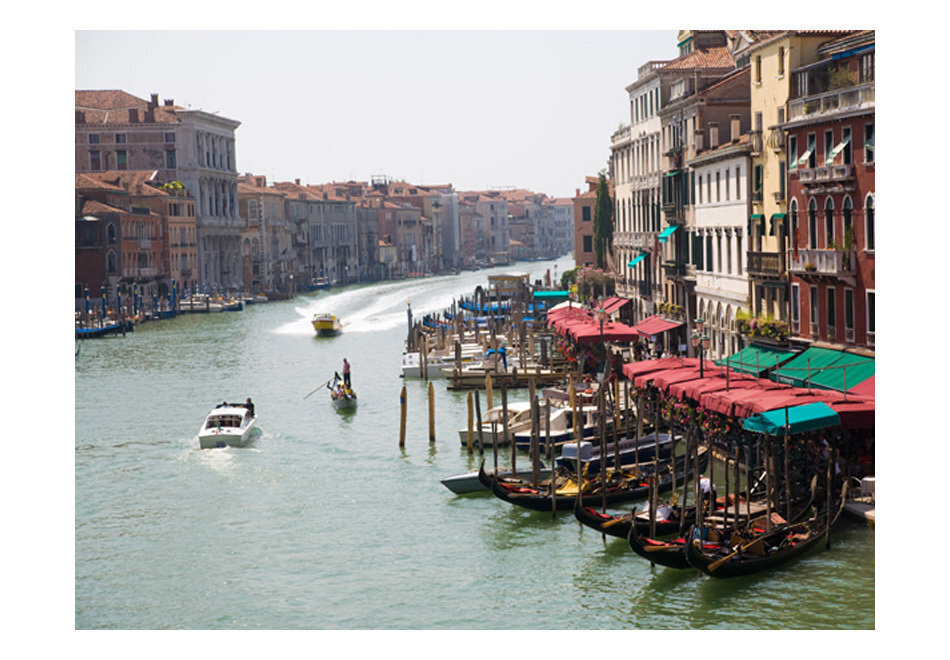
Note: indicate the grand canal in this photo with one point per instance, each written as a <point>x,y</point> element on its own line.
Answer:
<point>325,523</point>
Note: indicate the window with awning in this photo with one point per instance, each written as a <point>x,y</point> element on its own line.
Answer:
<point>637,259</point>
<point>666,233</point>
<point>837,150</point>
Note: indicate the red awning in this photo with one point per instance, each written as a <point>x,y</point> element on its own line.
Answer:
<point>714,380</point>
<point>614,303</point>
<point>590,333</point>
<point>633,369</point>
<point>855,413</point>
<point>654,325</point>
<point>865,388</point>
<point>727,402</point>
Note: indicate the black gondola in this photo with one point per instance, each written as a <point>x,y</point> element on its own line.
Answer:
<point>665,553</point>
<point>763,549</point>
<point>629,483</point>
<point>619,526</point>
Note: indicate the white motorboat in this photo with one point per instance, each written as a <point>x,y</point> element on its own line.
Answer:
<point>437,363</point>
<point>519,419</point>
<point>229,425</point>
<point>468,482</point>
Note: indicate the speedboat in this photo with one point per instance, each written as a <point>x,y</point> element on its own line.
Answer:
<point>326,325</point>
<point>229,424</point>
<point>437,364</point>
<point>468,482</point>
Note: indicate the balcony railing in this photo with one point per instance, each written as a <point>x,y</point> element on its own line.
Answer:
<point>776,138</point>
<point>840,100</point>
<point>824,262</point>
<point>755,139</point>
<point>765,263</point>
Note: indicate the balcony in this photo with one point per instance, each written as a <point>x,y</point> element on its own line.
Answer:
<point>834,263</point>
<point>765,263</point>
<point>674,268</point>
<point>810,108</point>
<point>755,139</point>
<point>776,140</point>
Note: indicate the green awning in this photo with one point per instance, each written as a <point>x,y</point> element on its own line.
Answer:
<point>837,150</point>
<point>665,234</point>
<point>825,368</point>
<point>775,216</point>
<point>637,259</point>
<point>673,173</point>
<point>756,359</point>
<point>808,417</point>
<point>805,156</point>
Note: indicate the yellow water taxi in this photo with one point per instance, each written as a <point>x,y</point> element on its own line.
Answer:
<point>326,325</point>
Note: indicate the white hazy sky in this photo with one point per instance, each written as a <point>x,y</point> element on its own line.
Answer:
<point>478,109</point>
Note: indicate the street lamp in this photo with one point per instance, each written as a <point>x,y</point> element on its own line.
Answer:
<point>700,341</point>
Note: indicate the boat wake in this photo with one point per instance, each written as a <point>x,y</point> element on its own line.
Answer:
<point>376,308</point>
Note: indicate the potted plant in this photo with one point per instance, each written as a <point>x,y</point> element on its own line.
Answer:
<point>810,267</point>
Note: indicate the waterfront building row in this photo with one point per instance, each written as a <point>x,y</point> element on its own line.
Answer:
<point>216,229</point>
<point>744,187</point>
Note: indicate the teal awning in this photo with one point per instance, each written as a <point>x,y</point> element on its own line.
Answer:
<point>756,216</point>
<point>756,359</point>
<point>637,259</point>
<point>837,150</point>
<point>665,234</point>
<point>808,417</point>
<point>551,295</point>
<point>825,368</point>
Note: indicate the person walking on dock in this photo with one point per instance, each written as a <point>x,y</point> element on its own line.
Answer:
<point>346,373</point>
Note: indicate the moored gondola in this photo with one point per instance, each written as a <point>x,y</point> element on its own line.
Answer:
<point>628,483</point>
<point>760,549</point>
<point>619,526</point>
<point>665,553</point>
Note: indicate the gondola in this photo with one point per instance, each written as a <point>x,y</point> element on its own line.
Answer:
<point>619,526</point>
<point>761,550</point>
<point>665,553</point>
<point>631,482</point>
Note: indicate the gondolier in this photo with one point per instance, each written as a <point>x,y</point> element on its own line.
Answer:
<point>707,492</point>
<point>346,373</point>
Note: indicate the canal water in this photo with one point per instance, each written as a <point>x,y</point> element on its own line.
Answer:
<point>325,523</point>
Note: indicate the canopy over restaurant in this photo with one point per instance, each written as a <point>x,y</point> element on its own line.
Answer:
<point>826,368</point>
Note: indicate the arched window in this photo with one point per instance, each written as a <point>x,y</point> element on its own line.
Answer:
<point>846,214</point>
<point>829,222</point>
<point>812,224</point>
<point>869,223</point>
<point>110,233</point>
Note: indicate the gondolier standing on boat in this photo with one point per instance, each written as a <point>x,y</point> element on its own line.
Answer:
<point>346,373</point>
<point>707,491</point>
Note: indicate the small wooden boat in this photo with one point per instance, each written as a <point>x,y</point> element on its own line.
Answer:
<point>326,325</point>
<point>758,549</point>
<point>627,483</point>
<point>343,399</point>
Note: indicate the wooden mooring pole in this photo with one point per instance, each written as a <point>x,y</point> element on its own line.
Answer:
<point>402,417</point>
<point>431,413</point>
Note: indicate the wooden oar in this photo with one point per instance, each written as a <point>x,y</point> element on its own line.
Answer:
<point>719,562</point>
<point>321,386</point>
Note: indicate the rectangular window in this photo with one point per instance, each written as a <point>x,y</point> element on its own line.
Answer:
<point>757,179</point>
<point>846,138</point>
<point>95,160</point>
<point>700,187</point>
<point>120,138</point>
<point>813,292</point>
<point>849,309</point>
<point>867,68</point>
<point>869,143</point>
<point>812,148</point>
<point>169,137</point>
<point>829,143</point>
<point>727,185</point>
<point>796,313</point>
<point>830,310</point>
<point>171,162</point>
<point>717,185</point>
<point>738,188</point>
<point>585,213</point>
<point>588,243</point>
<point>93,138</point>
<point>781,61</point>
<point>758,69</point>
<point>781,179</point>
<point>121,160</point>
<point>870,313</point>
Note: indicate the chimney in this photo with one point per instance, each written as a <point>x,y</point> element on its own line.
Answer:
<point>154,102</point>
<point>169,102</point>
<point>713,134</point>
<point>734,135</point>
<point>297,181</point>
<point>577,192</point>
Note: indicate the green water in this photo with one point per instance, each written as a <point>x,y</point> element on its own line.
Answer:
<point>325,523</point>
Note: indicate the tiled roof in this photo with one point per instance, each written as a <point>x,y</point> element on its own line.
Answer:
<point>92,207</point>
<point>85,181</point>
<point>703,58</point>
<point>112,106</point>
<point>250,189</point>
<point>133,181</point>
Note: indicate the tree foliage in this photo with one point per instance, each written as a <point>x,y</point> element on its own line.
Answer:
<point>603,222</point>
